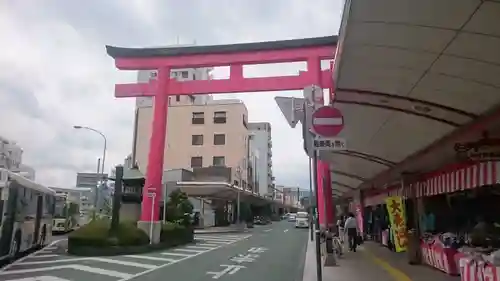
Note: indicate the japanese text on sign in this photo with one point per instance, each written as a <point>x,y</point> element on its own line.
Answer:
<point>397,217</point>
<point>329,144</point>
<point>250,256</point>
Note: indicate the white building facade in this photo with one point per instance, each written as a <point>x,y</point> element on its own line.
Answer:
<point>261,141</point>
<point>11,158</point>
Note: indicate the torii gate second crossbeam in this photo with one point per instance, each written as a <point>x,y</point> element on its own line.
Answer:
<point>312,51</point>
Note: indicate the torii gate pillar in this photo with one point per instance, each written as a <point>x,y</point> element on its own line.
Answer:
<point>151,193</point>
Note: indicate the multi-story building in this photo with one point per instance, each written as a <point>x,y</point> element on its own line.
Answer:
<point>27,171</point>
<point>11,154</point>
<point>11,157</point>
<point>201,132</point>
<point>94,195</point>
<point>291,196</point>
<point>260,135</point>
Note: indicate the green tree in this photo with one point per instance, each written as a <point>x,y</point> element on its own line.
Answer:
<point>179,208</point>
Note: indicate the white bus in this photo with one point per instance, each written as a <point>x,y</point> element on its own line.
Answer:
<point>26,214</point>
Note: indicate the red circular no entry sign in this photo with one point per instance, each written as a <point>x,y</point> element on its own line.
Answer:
<point>327,121</point>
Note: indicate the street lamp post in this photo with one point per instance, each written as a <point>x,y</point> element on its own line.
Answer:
<point>103,157</point>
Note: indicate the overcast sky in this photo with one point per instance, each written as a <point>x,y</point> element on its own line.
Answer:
<point>54,71</point>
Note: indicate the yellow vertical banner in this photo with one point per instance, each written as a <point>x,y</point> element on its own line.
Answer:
<point>397,218</point>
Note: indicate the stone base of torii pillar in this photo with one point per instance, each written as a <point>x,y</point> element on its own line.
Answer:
<point>152,229</point>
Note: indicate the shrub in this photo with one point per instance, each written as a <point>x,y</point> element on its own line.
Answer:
<point>174,234</point>
<point>97,234</point>
<point>179,208</point>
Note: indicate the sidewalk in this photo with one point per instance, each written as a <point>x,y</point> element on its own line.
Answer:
<point>399,261</point>
<point>351,267</point>
<point>371,262</point>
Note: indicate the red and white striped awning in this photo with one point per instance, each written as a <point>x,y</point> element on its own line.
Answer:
<point>468,177</point>
<point>464,177</point>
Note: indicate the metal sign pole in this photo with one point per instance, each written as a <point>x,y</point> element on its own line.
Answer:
<point>311,206</point>
<point>319,274</point>
<point>153,195</point>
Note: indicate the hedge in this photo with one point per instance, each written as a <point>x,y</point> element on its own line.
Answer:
<point>94,239</point>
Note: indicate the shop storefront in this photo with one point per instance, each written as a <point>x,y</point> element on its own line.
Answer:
<point>447,207</point>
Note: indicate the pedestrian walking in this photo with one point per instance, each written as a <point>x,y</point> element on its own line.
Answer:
<point>351,229</point>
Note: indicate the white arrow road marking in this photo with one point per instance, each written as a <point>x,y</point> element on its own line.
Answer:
<point>95,270</point>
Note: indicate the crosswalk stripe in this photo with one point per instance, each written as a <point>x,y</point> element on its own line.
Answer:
<point>150,258</point>
<point>43,256</point>
<point>199,247</point>
<point>95,270</point>
<point>175,254</point>
<point>51,261</point>
<point>189,251</point>
<point>217,240</point>
<point>207,244</point>
<point>126,263</point>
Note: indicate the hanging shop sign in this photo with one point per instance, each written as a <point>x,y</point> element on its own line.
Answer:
<point>485,149</point>
<point>331,144</point>
<point>397,218</point>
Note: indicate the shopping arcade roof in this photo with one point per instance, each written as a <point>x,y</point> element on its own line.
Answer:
<point>407,74</point>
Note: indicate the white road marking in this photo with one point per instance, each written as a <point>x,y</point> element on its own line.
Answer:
<point>217,240</point>
<point>54,261</point>
<point>199,247</point>
<point>150,258</point>
<point>176,261</point>
<point>44,256</point>
<point>19,261</point>
<point>267,230</point>
<point>207,245</point>
<point>286,230</point>
<point>122,276</point>
<point>126,263</point>
<point>96,270</point>
<point>41,278</point>
<point>176,254</point>
<point>49,248</point>
<point>189,251</point>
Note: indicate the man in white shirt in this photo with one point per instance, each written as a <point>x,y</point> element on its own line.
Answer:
<point>352,230</point>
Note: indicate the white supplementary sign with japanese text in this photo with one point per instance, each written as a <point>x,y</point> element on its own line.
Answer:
<point>250,256</point>
<point>336,144</point>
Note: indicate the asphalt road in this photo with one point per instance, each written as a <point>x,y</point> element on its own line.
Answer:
<point>267,253</point>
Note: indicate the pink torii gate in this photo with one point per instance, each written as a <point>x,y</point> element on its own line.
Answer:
<point>311,50</point>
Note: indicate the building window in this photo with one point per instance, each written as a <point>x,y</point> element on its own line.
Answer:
<point>219,161</point>
<point>197,139</point>
<point>185,74</point>
<point>198,118</point>
<point>196,162</point>
<point>177,98</point>
<point>219,139</point>
<point>220,117</point>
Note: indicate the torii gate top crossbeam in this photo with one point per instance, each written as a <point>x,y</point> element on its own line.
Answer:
<point>220,55</point>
